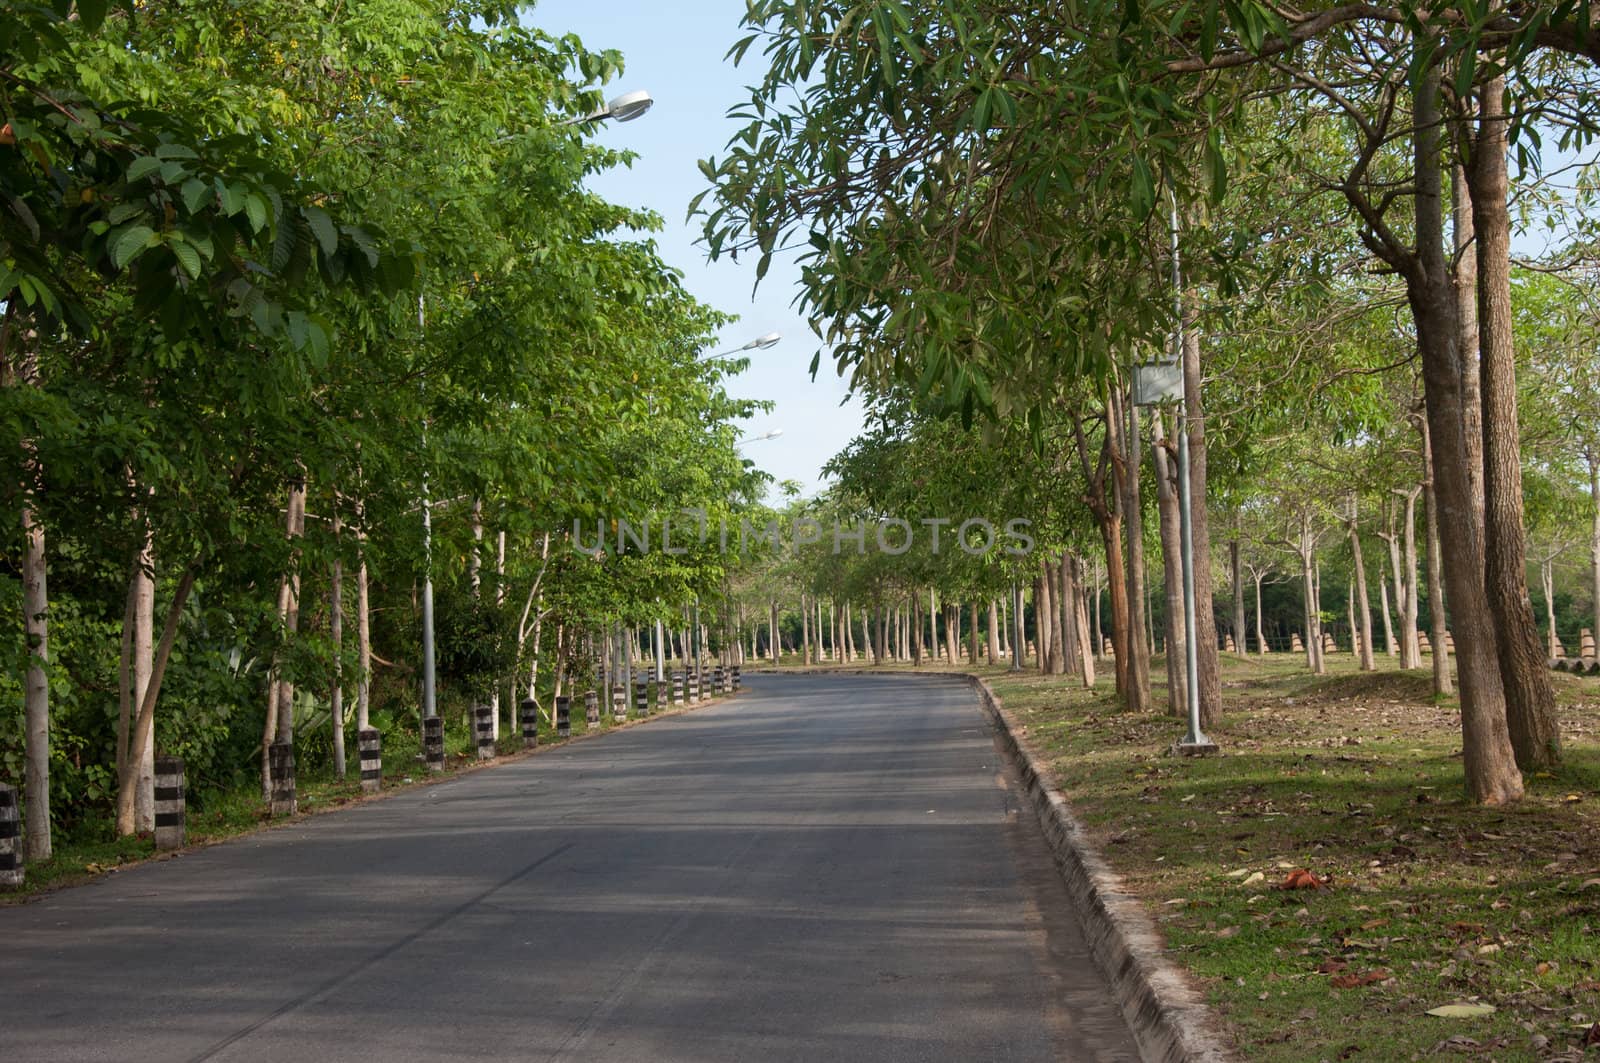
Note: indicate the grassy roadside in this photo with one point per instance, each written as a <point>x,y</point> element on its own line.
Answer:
<point>1356,778</point>
<point>219,815</point>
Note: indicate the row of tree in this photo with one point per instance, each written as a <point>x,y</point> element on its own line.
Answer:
<point>308,316</point>
<point>1001,210</point>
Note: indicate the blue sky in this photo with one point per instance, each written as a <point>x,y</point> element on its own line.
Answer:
<point>675,51</point>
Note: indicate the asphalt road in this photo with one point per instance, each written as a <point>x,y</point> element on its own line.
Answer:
<point>823,869</point>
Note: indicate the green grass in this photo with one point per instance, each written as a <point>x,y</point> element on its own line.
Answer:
<point>217,815</point>
<point>1357,777</point>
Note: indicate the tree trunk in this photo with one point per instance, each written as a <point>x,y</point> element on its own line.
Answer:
<point>994,631</point>
<point>1389,646</point>
<point>1064,597</point>
<point>144,721</point>
<point>1547,576</point>
<point>1019,629</point>
<point>291,624</point>
<point>1042,615</point>
<point>1593,459</point>
<point>19,365</point>
<point>1053,610</point>
<point>1082,608</point>
<point>336,633</point>
<point>1125,475</point>
<point>1488,759</point>
<point>1261,636</point>
<point>1530,697</point>
<point>1308,586</point>
<point>805,632</point>
<point>141,657</point>
<point>772,633</point>
<point>1167,506</point>
<point>1363,611</point>
<point>363,624</point>
<point>1241,644</point>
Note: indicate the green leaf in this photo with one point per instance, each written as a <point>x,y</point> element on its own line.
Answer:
<point>126,244</point>
<point>188,257</point>
<point>195,193</point>
<point>322,228</point>
<point>255,208</point>
<point>143,167</point>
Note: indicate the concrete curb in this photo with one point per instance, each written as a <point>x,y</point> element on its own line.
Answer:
<point>1169,1020</point>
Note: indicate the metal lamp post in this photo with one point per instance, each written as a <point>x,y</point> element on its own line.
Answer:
<point>1152,385</point>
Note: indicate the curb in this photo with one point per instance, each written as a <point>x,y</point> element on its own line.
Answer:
<point>1169,1020</point>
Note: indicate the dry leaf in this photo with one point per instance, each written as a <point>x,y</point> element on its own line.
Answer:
<point>1462,1011</point>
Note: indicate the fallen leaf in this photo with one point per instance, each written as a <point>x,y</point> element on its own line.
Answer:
<point>1301,879</point>
<point>1462,1011</point>
<point>1352,981</point>
<point>1253,879</point>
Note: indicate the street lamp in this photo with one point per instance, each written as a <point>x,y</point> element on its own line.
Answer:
<point>774,434</point>
<point>624,108</point>
<point>760,343</point>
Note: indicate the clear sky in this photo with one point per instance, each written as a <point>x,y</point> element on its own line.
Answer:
<point>675,52</point>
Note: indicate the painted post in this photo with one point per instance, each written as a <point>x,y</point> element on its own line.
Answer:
<point>483,724</point>
<point>530,723</point>
<point>718,681</point>
<point>694,687</point>
<point>370,742</point>
<point>736,679</point>
<point>563,717</point>
<point>641,698</point>
<point>591,709</point>
<point>433,743</point>
<point>10,839</point>
<point>280,766</point>
<point>677,688</point>
<point>619,703</point>
<point>170,832</point>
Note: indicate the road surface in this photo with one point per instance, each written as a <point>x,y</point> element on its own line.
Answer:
<point>827,868</point>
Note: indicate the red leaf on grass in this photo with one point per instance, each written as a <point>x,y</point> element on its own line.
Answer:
<point>1353,981</point>
<point>1301,879</point>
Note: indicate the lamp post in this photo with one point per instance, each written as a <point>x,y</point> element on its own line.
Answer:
<point>623,108</point>
<point>774,434</point>
<point>1154,384</point>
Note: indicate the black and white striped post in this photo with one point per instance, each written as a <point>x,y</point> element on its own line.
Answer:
<point>483,724</point>
<point>563,717</point>
<point>433,743</point>
<point>641,698</point>
<point>530,723</point>
<point>10,839</point>
<point>719,680</point>
<point>280,767</point>
<point>370,742</point>
<point>619,702</point>
<point>677,688</point>
<point>736,679</point>
<point>694,687</point>
<point>170,827</point>
<point>591,709</point>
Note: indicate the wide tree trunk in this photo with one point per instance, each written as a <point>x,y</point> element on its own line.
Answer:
<point>1530,697</point>
<point>1389,645</point>
<point>1313,620</point>
<point>1081,606</point>
<point>1171,518</point>
<point>1488,759</point>
<point>994,631</point>
<point>1125,475</point>
<point>19,366</point>
<point>1065,599</point>
<point>1051,599</point>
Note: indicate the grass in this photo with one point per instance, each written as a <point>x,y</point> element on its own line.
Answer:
<point>1355,777</point>
<point>218,815</point>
